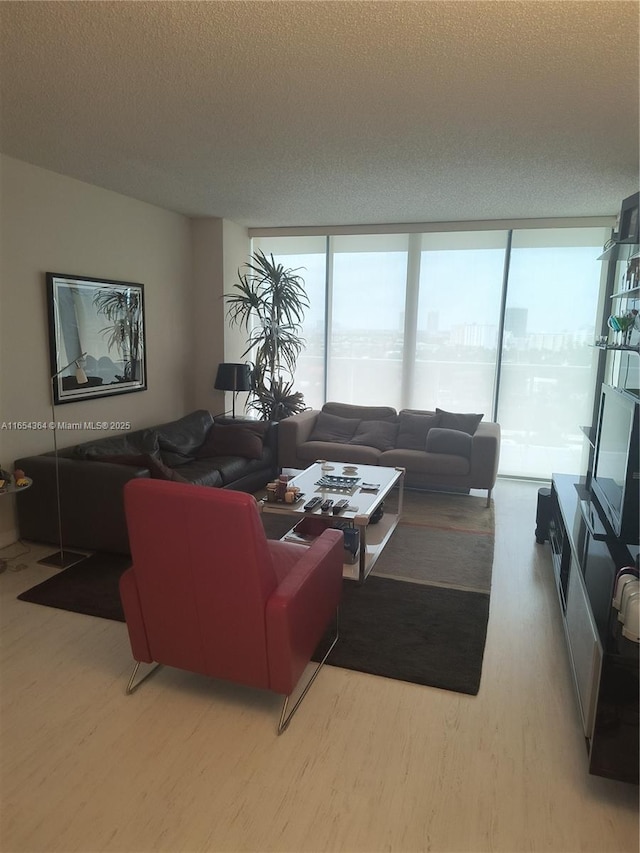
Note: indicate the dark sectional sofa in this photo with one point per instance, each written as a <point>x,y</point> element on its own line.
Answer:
<point>439,450</point>
<point>198,449</point>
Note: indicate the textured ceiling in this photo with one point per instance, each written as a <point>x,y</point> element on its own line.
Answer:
<point>316,113</point>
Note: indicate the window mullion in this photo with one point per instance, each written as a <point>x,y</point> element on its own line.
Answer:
<point>412,294</point>
<point>500,341</point>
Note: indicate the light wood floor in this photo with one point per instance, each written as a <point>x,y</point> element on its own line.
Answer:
<point>368,764</point>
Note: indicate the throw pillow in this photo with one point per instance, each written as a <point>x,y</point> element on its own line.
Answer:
<point>413,429</point>
<point>231,440</point>
<point>455,420</point>
<point>365,413</point>
<point>378,434</point>
<point>333,428</point>
<point>452,441</point>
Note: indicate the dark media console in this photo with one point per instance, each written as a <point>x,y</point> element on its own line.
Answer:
<point>605,665</point>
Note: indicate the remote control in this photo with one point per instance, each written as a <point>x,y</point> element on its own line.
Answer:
<point>340,506</point>
<point>312,504</point>
<point>326,505</point>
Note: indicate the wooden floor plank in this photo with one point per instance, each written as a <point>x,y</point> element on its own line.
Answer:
<point>368,764</point>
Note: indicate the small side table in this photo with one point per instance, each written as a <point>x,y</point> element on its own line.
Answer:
<point>12,489</point>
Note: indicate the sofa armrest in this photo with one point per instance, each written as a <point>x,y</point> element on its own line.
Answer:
<point>293,432</point>
<point>91,502</point>
<point>301,607</point>
<point>485,455</point>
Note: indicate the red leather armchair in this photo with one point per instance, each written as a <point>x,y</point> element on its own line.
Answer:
<point>209,593</point>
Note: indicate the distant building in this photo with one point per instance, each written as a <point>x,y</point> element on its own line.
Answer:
<point>515,321</point>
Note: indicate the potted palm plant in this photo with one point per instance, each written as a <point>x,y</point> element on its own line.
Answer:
<point>269,302</point>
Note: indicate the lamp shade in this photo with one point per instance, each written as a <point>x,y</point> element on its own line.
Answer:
<point>233,377</point>
<point>81,376</point>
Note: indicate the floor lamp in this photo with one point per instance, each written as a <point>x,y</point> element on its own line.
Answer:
<point>233,377</point>
<point>62,559</point>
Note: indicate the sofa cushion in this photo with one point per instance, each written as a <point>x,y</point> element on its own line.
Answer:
<point>354,454</point>
<point>363,413</point>
<point>202,472</point>
<point>413,429</point>
<point>184,436</point>
<point>229,468</point>
<point>429,464</point>
<point>379,434</point>
<point>128,444</point>
<point>172,455</point>
<point>333,428</point>
<point>136,460</point>
<point>455,420</point>
<point>231,440</point>
<point>452,441</point>
<point>157,468</point>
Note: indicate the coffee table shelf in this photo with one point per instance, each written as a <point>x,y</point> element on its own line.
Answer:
<point>362,505</point>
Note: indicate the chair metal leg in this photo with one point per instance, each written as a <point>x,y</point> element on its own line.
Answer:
<point>489,497</point>
<point>131,686</point>
<point>285,718</point>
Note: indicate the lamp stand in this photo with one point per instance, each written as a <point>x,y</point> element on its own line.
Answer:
<point>62,559</point>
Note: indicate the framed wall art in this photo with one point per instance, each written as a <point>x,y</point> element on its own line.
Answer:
<point>96,337</point>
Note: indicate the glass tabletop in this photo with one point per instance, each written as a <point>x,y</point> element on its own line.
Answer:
<point>364,486</point>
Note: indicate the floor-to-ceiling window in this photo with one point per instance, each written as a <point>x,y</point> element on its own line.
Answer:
<point>369,277</point>
<point>308,256</point>
<point>548,358</point>
<point>458,318</point>
<point>476,321</point>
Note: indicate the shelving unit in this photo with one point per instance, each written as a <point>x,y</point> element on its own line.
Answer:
<point>622,364</point>
<point>603,663</point>
<point>586,553</point>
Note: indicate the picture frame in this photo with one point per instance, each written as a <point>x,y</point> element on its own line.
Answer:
<point>97,332</point>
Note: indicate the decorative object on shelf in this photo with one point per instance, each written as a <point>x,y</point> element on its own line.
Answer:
<point>103,319</point>
<point>62,559</point>
<point>632,274</point>
<point>269,304</point>
<point>624,324</point>
<point>233,377</point>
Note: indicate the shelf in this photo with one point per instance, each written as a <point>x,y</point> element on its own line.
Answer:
<point>590,433</point>
<point>611,249</point>
<point>628,293</point>
<point>618,347</point>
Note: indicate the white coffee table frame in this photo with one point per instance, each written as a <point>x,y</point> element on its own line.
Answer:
<point>362,505</point>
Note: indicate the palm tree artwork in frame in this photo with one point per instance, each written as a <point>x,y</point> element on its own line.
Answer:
<point>269,303</point>
<point>97,325</point>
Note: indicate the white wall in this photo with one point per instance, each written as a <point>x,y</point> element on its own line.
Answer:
<point>51,223</point>
<point>236,254</point>
<point>219,248</point>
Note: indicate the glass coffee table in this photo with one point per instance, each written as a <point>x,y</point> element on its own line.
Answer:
<point>364,487</point>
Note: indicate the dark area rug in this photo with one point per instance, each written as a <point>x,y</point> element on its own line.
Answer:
<point>424,634</point>
<point>90,587</point>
